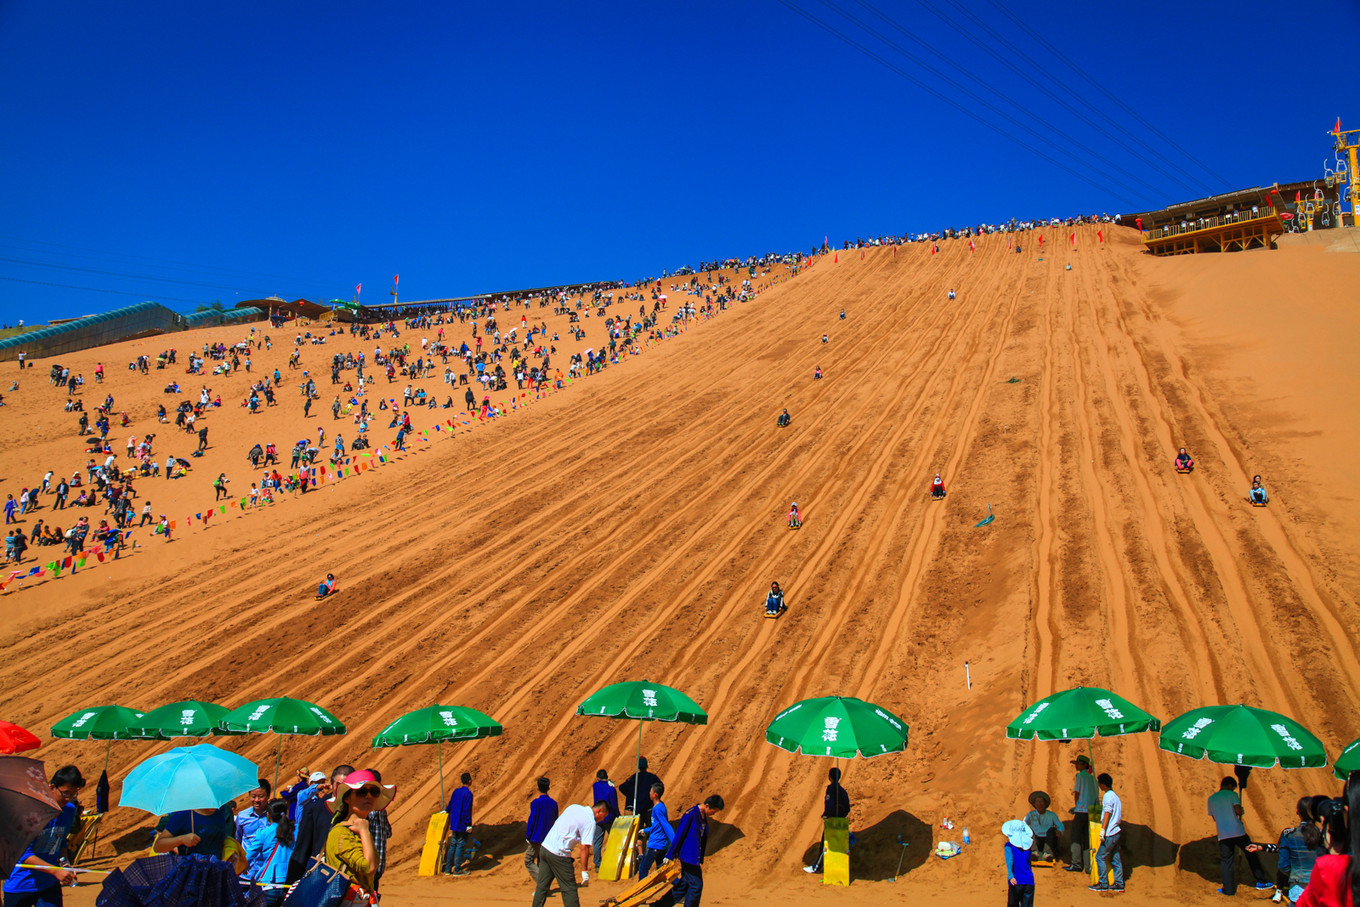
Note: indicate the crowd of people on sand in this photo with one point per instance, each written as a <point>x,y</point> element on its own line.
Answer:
<point>340,819</point>
<point>503,351</point>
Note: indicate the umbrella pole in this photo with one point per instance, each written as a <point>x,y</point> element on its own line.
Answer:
<point>439,744</point>
<point>637,775</point>
<point>108,745</point>
<point>278,757</point>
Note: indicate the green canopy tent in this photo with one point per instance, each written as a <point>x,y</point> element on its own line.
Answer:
<point>642,701</point>
<point>1242,735</point>
<point>282,715</point>
<point>436,724</point>
<point>189,718</point>
<point>1081,714</point>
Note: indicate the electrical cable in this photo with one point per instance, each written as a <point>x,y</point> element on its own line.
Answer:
<point>1071,140</point>
<point>1186,179</point>
<point>1104,187</point>
<point>1096,85</point>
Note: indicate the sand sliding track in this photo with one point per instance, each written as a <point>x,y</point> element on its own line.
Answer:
<point>628,527</point>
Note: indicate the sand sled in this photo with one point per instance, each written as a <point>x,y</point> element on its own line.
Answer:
<point>616,862</point>
<point>1256,503</point>
<point>775,615</point>
<point>1186,470</point>
<point>795,523</point>
<point>432,854</point>
<point>648,889</point>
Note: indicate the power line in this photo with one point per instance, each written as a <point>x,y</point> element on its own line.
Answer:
<point>1113,98</point>
<point>1186,179</point>
<point>142,277</point>
<point>1104,187</point>
<point>67,286</point>
<point>97,255</point>
<point>1071,140</point>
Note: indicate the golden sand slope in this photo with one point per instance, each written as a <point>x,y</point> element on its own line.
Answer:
<point>628,527</point>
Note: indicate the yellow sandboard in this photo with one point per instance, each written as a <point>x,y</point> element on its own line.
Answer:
<point>1097,835</point>
<point>436,836</point>
<point>836,866</point>
<point>616,862</point>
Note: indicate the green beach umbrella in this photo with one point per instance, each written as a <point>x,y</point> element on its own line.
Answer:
<point>1349,760</point>
<point>838,726</point>
<point>642,700</point>
<point>436,724</point>
<point>102,722</point>
<point>189,718</point>
<point>282,715</point>
<point>1080,714</point>
<point>1241,735</point>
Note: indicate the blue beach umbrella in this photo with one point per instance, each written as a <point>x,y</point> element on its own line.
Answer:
<point>188,777</point>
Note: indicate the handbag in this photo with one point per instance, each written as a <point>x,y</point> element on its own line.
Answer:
<point>320,886</point>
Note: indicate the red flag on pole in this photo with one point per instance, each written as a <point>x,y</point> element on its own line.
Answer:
<point>359,288</point>
<point>837,259</point>
<point>1336,130</point>
<point>396,278</point>
<point>1073,237</point>
<point>971,246</point>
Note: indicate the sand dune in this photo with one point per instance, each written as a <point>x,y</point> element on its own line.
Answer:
<point>628,526</point>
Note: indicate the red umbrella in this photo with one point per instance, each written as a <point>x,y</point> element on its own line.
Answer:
<point>14,739</point>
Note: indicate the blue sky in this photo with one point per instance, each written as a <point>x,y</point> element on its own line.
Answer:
<point>188,152</point>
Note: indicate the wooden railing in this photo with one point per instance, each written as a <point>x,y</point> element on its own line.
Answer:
<point>1208,223</point>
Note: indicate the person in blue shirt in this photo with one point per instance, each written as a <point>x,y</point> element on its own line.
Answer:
<point>691,841</point>
<point>542,815</point>
<point>298,794</point>
<point>659,833</point>
<point>38,887</point>
<point>249,821</point>
<point>460,821</point>
<point>1019,873</point>
<point>1298,850</point>
<point>269,850</point>
<point>603,789</point>
<point>200,831</point>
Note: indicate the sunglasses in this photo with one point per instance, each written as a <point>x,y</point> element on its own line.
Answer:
<point>367,791</point>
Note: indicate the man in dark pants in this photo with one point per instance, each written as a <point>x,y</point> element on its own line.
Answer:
<point>314,825</point>
<point>574,827</point>
<point>542,815</point>
<point>603,791</point>
<point>836,805</point>
<point>689,846</point>
<point>1226,809</point>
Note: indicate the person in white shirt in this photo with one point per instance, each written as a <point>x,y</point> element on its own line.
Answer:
<point>575,826</point>
<point>1226,809</point>
<point>1111,812</point>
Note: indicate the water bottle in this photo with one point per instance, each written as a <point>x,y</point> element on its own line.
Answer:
<point>967,839</point>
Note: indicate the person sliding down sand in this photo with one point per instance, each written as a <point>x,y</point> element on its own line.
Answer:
<point>795,518</point>
<point>1257,494</point>
<point>937,487</point>
<point>1183,461</point>
<point>774,602</point>
<point>327,586</point>
<point>784,419</point>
